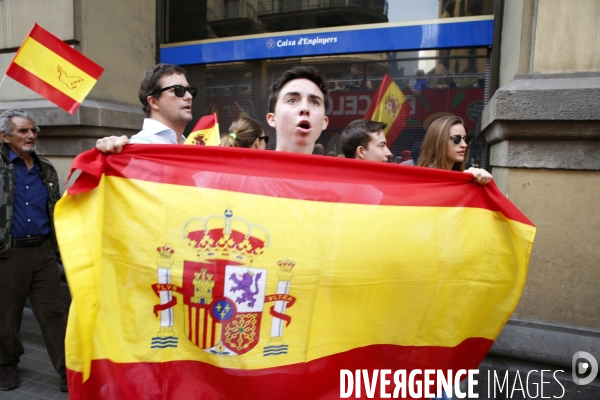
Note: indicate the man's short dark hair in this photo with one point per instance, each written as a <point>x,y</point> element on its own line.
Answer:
<point>357,134</point>
<point>150,81</point>
<point>310,73</point>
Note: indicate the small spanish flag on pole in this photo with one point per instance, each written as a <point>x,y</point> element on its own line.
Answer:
<point>50,67</point>
<point>389,106</point>
<point>206,132</point>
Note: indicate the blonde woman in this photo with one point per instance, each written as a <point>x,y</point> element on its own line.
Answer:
<point>446,145</point>
<point>245,132</point>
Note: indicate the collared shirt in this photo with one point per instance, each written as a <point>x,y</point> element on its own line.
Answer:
<point>155,132</point>
<point>30,215</point>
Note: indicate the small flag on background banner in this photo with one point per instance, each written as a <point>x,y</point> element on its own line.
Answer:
<point>50,67</point>
<point>206,132</point>
<point>389,106</point>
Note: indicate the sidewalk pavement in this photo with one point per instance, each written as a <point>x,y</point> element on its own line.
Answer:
<point>38,379</point>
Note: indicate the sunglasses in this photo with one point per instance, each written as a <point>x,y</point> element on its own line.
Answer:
<point>265,138</point>
<point>456,139</point>
<point>178,90</point>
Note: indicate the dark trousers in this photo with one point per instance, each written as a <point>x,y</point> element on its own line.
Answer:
<point>34,273</point>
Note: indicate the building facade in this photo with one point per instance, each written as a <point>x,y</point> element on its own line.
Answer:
<point>244,46</point>
<point>543,129</point>
<point>119,36</point>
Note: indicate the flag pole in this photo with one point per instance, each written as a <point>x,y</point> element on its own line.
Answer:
<point>2,81</point>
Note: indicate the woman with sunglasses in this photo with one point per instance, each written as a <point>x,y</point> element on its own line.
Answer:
<point>245,132</point>
<point>446,145</point>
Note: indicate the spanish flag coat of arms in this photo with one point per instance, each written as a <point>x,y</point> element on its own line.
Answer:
<point>225,273</point>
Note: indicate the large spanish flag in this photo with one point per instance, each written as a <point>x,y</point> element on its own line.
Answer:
<point>229,273</point>
<point>205,132</point>
<point>390,106</point>
<point>53,69</point>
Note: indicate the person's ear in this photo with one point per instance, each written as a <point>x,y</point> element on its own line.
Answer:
<point>325,122</point>
<point>256,144</point>
<point>153,102</point>
<point>271,120</point>
<point>360,153</point>
<point>4,137</point>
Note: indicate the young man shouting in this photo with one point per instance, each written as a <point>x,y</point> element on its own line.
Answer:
<point>297,105</point>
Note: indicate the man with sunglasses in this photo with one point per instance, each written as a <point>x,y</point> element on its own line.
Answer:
<point>445,146</point>
<point>297,105</point>
<point>167,102</point>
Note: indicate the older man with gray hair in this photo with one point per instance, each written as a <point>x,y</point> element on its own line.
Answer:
<point>28,248</point>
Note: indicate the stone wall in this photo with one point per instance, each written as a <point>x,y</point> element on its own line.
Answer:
<point>120,36</point>
<point>543,128</point>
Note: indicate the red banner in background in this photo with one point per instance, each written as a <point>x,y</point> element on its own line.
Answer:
<point>346,106</point>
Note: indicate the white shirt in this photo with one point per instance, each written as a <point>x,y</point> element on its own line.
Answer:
<point>155,132</point>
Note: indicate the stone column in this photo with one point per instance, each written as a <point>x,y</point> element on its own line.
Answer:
<point>543,128</point>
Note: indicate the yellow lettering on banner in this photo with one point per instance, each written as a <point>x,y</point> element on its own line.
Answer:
<point>54,70</point>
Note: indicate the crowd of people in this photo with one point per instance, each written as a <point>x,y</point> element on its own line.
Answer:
<point>29,253</point>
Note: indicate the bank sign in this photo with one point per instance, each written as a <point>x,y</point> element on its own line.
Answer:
<point>435,34</point>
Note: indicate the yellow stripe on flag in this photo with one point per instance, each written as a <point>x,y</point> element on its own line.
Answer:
<point>54,70</point>
<point>206,137</point>
<point>205,132</point>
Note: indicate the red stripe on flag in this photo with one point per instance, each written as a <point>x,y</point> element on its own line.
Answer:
<point>208,121</point>
<point>197,329</point>
<point>294,176</point>
<point>318,379</point>
<point>36,84</point>
<point>190,330</point>
<point>65,51</point>
<point>213,332</point>
<point>204,327</point>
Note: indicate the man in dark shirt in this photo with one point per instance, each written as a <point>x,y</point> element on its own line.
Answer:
<point>357,79</point>
<point>28,249</point>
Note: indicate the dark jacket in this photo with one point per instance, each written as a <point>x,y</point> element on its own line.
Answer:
<point>7,194</point>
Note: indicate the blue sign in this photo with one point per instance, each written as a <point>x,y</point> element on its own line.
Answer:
<point>433,35</point>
